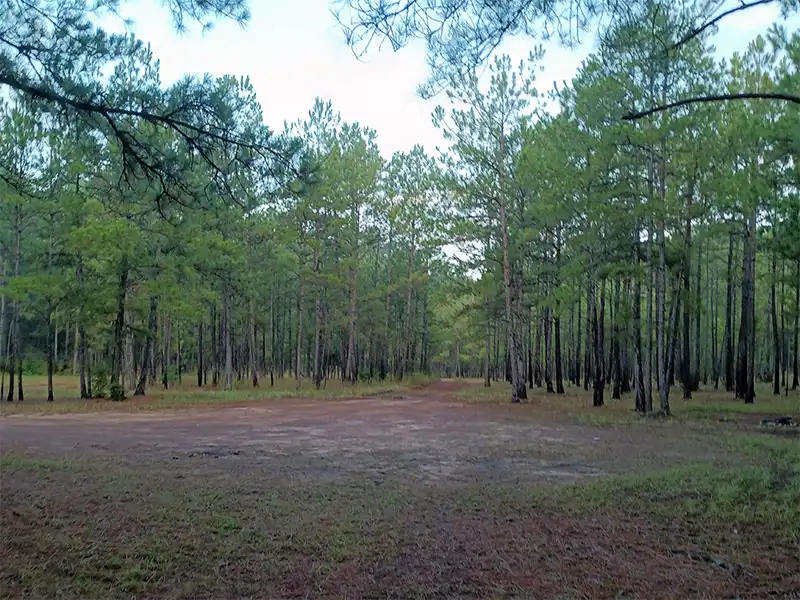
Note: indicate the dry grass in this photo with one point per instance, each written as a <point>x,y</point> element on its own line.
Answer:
<point>67,396</point>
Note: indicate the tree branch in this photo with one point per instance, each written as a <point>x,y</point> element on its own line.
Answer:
<point>698,30</point>
<point>719,98</point>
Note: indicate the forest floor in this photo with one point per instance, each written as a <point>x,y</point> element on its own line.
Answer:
<point>428,492</point>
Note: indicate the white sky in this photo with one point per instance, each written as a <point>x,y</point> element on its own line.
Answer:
<point>293,51</point>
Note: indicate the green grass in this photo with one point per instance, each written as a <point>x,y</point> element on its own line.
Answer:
<point>576,404</point>
<point>761,491</point>
<point>93,528</point>
<point>67,400</point>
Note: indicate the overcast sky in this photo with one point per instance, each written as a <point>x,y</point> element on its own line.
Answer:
<point>293,51</point>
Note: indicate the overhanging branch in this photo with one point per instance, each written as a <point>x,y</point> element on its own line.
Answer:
<point>698,30</point>
<point>718,98</point>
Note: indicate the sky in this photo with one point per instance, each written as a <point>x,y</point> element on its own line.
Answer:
<point>294,51</point>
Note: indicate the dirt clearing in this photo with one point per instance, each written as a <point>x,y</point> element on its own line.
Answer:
<point>406,495</point>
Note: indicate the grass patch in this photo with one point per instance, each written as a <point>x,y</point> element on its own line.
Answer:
<point>576,404</point>
<point>13,462</point>
<point>88,528</point>
<point>761,493</point>
<point>186,396</point>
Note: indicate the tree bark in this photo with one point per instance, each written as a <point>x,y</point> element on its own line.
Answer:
<point>507,283</point>
<point>728,335</point>
<point>318,320</point>
<point>745,375</point>
<point>487,376</point>
<point>648,359</point>
<point>51,344</point>
<point>776,338</point>
<point>578,332</point>
<point>148,347</point>
<point>298,349</point>
<point>695,372</point>
<point>200,356</point>
<point>796,362</point>
<point>85,383</point>
<point>15,355</point>
<point>350,372</point>
<point>407,323</point>
<point>686,361</point>
<point>638,371</point>
<point>3,337</point>
<point>119,328</point>
<point>663,387</point>
<point>559,374</point>
<point>548,350</point>
<point>616,369</point>
<point>251,351</point>
<point>227,342</point>
<point>597,350</point>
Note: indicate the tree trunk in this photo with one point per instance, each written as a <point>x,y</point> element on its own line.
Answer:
<point>686,361</point>
<point>745,376</point>
<point>251,351</point>
<point>796,362</point>
<point>487,381</point>
<point>695,371</point>
<point>166,351</point>
<point>128,367</point>
<point>51,345</point>
<point>20,395</point>
<point>298,349</point>
<point>784,337</point>
<point>728,335</point>
<point>350,372</point>
<point>82,364</point>
<point>227,317</point>
<point>508,285</point>
<point>148,347</point>
<point>663,389</point>
<point>597,350</point>
<point>407,324</point>
<point>559,374</point>
<point>579,330</point>
<point>3,336</point>
<point>571,344</point>
<point>616,369</point>
<point>12,366</point>
<point>638,371</point>
<point>215,337</point>
<point>15,355</point>
<point>548,350</point>
<point>75,350</point>
<point>648,359</point>
<point>200,356</point>
<point>119,330</point>
<point>317,374</point>
<point>776,338</point>
<point>537,353</point>
<point>672,328</point>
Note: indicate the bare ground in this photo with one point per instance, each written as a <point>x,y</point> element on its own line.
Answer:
<point>397,496</point>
